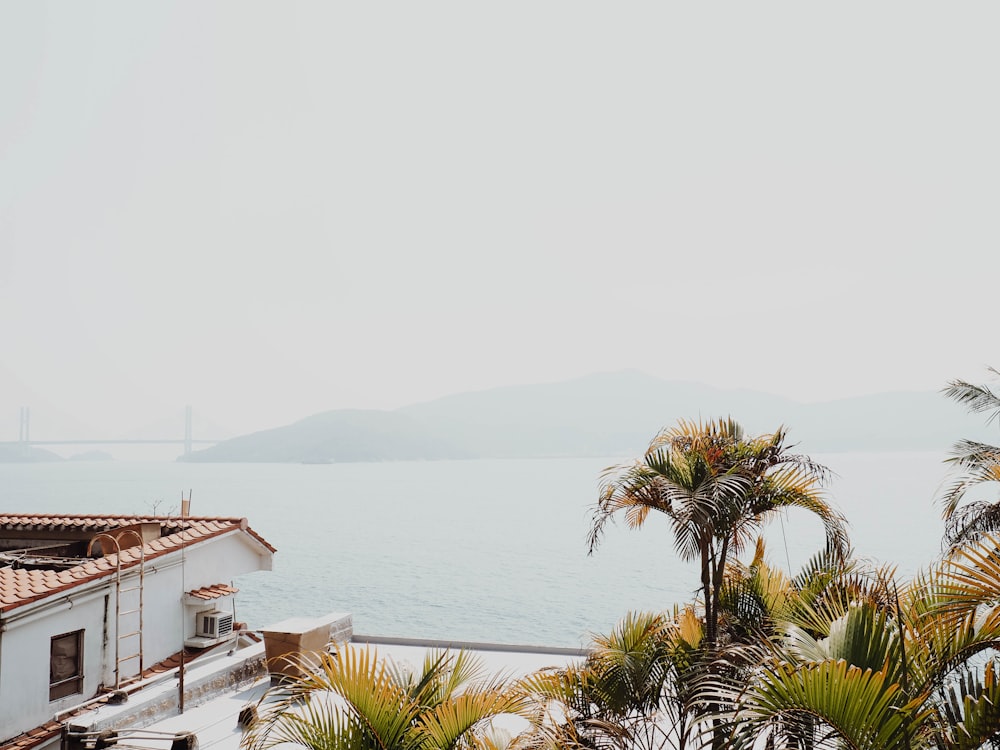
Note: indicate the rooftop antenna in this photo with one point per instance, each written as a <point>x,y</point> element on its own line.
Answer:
<point>182,669</point>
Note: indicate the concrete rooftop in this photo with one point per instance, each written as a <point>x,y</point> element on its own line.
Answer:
<point>214,720</point>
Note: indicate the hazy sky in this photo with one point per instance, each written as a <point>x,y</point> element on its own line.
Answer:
<point>266,210</point>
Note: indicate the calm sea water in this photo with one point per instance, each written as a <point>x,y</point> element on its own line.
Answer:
<point>487,550</point>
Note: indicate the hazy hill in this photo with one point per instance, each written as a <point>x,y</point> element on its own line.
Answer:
<point>345,435</point>
<point>615,414</point>
<point>609,414</point>
<point>13,454</point>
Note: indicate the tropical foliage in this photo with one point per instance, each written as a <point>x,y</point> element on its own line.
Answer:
<point>717,487</point>
<point>974,464</point>
<point>900,667</point>
<point>358,701</point>
<point>640,687</point>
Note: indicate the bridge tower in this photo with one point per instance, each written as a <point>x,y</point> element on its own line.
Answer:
<point>24,430</point>
<point>188,430</point>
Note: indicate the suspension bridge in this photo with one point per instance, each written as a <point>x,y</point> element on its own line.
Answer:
<point>25,441</point>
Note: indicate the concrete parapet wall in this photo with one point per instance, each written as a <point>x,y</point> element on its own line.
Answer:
<point>467,645</point>
<point>153,703</point>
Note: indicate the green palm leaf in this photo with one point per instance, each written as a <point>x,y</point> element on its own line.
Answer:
<point>974,464</point>
<point>977,398</point>
<point>454,722</point>
<point>969,713</point>
<point>860,708</point>
<point>357,701</point>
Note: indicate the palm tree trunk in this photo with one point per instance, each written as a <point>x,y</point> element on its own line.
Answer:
<point>706,593</point>
<point>718,570</point>
<point>718,573</point>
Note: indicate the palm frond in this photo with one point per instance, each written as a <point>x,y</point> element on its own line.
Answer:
<point>357,701</point>
<point>976,398</point>
<point>970,523</point>
<point>975,464</point>
<point>860,708</point>
<point>969,711</point>
<point>970,576</point>
<point>351,699</point>
<point>626,487</point>
<point>454,721</point>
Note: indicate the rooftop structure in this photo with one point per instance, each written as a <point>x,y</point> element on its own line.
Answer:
<point>99,599</point>
<point>218,720</point>
<point>133,616</point>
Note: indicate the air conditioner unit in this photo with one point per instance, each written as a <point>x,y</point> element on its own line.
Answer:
<point>214,624</point>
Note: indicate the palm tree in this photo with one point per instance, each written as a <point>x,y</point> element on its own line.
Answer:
<point>974,464</point>
<point>717,487</point>
<point>638,689</point>
<point>966,643</point>
<point>652,683</point>
<point>757,599</point>
<point>908,668</point>
<point>850,643</point>
<point>754,597</point>
<point>357,701</point>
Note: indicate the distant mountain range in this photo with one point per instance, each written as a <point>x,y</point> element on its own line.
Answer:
<point>608,414</point>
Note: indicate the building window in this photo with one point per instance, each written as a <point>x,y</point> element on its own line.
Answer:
<point>66,665</point>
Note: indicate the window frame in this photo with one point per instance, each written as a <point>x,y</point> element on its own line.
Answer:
<point>72,685</point>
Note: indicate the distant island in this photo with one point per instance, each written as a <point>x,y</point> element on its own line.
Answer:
<point>607,414</point>
<point>16,454</point>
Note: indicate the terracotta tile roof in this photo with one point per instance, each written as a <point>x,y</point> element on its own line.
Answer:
<point>19,586</point>
<point>34,737</point>
<point>216,591</point>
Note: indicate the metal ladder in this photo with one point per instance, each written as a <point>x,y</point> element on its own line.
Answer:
<point>120,614</point>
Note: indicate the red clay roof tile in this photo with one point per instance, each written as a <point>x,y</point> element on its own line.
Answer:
<point>215,591</point>
<point>19,586</point>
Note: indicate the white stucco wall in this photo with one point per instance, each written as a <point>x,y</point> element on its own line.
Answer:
<point>25,646</point>
<point>26,632</point>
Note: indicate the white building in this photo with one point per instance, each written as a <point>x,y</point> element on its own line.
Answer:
<point>89,604</point>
